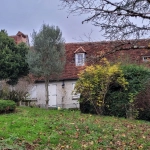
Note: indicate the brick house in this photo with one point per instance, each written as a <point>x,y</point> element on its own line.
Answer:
<point>20,37</point>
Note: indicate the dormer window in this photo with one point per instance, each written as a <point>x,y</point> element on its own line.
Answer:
<point>80,59</point>
<point>80,56</point>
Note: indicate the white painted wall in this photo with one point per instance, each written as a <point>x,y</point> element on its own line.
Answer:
<point>64,96</point>
<point>40,94</point>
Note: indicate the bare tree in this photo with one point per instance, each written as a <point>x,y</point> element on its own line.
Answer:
<point>18,92</point>
<point>120,19</point>
<point>85,37</point>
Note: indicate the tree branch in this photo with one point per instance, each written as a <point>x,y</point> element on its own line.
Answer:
<point>116,19</point>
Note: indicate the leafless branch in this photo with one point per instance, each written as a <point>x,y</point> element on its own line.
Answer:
<point>117,19</point>
<point>86,37</point>
<point>116,46</point>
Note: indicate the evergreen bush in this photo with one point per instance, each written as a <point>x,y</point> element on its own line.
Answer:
<point>123,102</point>
<point>7,106</point>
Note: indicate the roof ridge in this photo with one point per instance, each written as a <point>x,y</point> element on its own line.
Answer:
<point>105,41</point>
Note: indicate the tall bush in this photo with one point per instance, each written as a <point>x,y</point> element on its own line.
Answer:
<point>94,84</point>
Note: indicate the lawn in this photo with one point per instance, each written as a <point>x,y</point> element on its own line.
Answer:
<point>34,128</point>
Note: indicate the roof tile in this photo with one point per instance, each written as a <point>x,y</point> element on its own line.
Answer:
<point>94,49</point>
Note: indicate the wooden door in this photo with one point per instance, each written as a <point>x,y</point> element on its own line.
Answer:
<point>52,95</point>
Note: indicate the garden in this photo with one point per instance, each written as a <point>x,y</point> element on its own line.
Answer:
<point>114,114</point>
<point>35,129</point>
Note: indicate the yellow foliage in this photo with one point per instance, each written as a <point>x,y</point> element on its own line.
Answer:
<point>95,80</point>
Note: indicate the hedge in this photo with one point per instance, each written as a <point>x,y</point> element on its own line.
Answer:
<point>7,106</point>
<point>118,99</point>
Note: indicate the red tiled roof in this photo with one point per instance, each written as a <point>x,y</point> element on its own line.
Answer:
<point>80,50</point>
<point>93,49</point>
<point>21,34</point>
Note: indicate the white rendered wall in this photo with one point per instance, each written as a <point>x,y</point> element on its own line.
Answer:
<point>64,95</point>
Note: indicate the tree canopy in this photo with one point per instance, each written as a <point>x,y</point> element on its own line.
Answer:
<point>12,59</point>
<point>47,58</point>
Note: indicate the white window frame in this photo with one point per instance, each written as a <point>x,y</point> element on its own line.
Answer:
<point>75,96</point>
<point>33,93</point>
<point>78,61</point>
<point>146,58</point>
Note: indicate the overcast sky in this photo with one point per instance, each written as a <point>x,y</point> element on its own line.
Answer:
<point>26,15</point>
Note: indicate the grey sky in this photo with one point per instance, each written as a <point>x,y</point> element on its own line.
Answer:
<point>26,15</point>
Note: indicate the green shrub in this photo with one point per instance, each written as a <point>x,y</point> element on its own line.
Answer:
<point>142,104</point>
<point>87,107</point>
<point>125,103</point>
<point>132,102</point>
<point>95,81</point>
<point>16,96</point>
<point>115,104</point>
<point>7,106</point>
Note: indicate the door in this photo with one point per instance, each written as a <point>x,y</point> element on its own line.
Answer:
<point>52,95</point>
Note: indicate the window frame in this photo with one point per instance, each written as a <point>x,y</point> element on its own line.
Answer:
<point>74,96</point>
<point>79,62</point>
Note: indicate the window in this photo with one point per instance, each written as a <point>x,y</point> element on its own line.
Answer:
<point>80,59</point>
<point>32,93</point>
<point>146,58</point>
<point>75,96</point>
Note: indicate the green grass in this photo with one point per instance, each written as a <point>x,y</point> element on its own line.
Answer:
<point>34,128</point>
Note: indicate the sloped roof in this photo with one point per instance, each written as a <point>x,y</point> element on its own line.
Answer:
<point>80,50</point>
<point>20,33</point>
<point>94,49</point>
<point>18,37</point>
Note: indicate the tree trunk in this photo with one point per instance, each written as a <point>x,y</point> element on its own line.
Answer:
<point>46,91</point>
<point>131,111</point>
